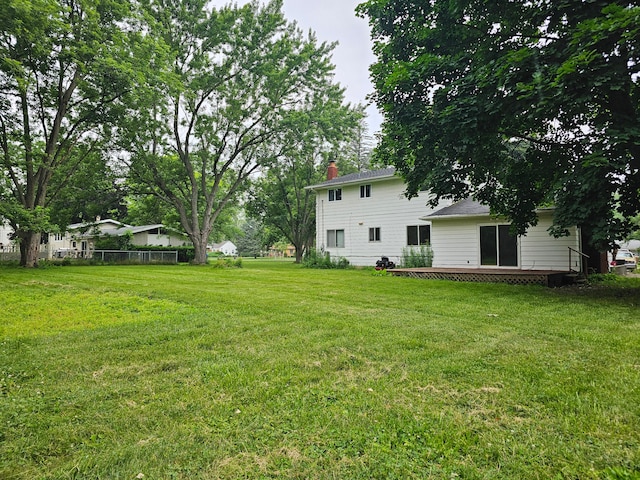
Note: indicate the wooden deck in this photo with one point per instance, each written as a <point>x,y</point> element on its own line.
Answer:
<point>549,278</point>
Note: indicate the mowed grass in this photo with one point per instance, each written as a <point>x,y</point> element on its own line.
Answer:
<point>275,371</point>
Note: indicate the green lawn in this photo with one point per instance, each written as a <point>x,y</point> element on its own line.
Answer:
<point>275,371</point>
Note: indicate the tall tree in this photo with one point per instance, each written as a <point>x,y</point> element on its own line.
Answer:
<point>64,67</point>
<point>322,126</point>
<point>94,190</point>
<point>360,146</point>
<point>518,103</point>
<point>236,73</point>
<point>250,240</point>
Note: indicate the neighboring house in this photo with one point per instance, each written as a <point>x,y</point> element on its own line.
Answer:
<point>227,248</point>
<point>151,235</point>
<point>288,251</point>
<point>80,237</point>
<point>6,243</point>
<point>465,235</point>
<point>364,216</point>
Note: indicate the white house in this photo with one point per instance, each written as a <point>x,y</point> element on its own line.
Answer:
<point>364,216</point>
<point>5,234</point>
<point>465,235</point>
<point>227,248</point>
<point>80,237</point>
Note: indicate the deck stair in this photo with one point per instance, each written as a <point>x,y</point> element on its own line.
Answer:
<point>574,278</point>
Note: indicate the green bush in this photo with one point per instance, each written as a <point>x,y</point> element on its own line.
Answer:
<point>321,259</point>
<point>226,262</point>
<point>110,242</point>
<point>417,257</point>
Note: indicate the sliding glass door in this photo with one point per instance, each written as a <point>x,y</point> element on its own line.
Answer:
<point>498,247</point>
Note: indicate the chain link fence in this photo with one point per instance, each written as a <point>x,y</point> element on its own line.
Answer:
<point>142,256</point>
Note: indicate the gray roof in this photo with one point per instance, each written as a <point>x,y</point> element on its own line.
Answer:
<point>76,226</point>
<point>132,229</point>
<point>359,177</point>
<point>470,208</point>
<point>118,231</point>
<point>464,208</point>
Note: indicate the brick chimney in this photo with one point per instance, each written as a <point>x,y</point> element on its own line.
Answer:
<point>332,170</point>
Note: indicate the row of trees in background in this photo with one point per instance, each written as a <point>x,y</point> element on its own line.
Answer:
<point>167,110</point>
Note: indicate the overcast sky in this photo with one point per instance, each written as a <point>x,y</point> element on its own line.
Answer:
<point>335,20</point>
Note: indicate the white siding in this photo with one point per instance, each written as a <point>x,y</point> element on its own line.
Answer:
<point>157,239</point>
<point>541,251</point>
<point>386,208</point>
<point>456,244</point>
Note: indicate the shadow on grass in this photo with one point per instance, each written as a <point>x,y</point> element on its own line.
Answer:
<point>606,287</point>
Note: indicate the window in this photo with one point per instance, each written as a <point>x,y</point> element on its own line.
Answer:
<point>498,246</point>
<point>58,237</point>
<point>418,234</point>
<point>335,194</point>
<point>335,238</point>
<point>374,234</point>
<point>365,191</point>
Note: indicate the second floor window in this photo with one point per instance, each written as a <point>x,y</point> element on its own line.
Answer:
<point>365,191</point>
<point>335,194</point>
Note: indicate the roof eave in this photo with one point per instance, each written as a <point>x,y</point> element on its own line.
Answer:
<point>326,185</point>
<point>476,215</point>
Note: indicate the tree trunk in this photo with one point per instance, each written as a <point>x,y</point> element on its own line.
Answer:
<point>200,248</point>
<point>29,247</point>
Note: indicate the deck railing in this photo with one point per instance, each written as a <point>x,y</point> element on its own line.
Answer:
<point>583,258</point>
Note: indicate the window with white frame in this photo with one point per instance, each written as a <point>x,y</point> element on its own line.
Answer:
<point>335,238</point>
<point>365,191</point>
<point>374,234</point>
<point>335,194</point>
<point>418,234</point>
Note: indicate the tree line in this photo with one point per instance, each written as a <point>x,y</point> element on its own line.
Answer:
<point>181,108</point>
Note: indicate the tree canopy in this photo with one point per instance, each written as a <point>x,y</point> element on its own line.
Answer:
<point>321,128</point>
<point>65,66</point>
<point>219,114</point>
<point>518,103</point>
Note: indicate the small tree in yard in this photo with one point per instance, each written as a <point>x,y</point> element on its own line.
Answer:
<point>279,199</point>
